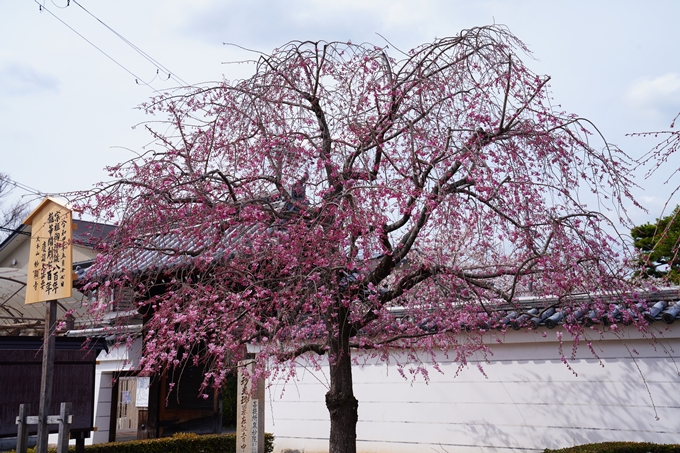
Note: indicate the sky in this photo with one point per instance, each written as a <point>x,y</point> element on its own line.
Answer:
<point>68,109</point>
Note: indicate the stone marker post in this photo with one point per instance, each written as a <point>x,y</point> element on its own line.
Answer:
<point>249,412</point>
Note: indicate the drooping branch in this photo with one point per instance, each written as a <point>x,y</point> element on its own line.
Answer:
<point>337,185</point>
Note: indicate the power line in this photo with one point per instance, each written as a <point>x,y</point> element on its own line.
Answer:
<point>68,2</point>
<point>137,78</point>
<point>14,230</point>
<point>148,57</point>
<point>125,40</point>
<point>21,186</point>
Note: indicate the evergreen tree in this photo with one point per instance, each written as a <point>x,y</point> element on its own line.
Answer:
<point>657,244</point>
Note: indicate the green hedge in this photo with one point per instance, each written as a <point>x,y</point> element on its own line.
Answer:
<point>619,447</point>
<point>179,443</point>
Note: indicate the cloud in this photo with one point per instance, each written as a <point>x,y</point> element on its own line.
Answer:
<point>21,80</point>
<point>660,95</point>
<point>265,24</point>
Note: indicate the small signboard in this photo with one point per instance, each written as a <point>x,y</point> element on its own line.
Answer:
<point>50,265</point>
<point>143,384</point>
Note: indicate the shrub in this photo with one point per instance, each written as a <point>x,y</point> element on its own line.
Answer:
<point>619,447</point>
<point>179,443</point>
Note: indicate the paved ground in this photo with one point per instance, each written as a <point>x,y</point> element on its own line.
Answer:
<point>125,436</point>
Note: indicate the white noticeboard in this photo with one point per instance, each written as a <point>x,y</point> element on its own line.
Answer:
<point>142,392</point>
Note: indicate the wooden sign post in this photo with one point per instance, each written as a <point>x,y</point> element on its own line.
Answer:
<point>249,411</point>
<point>50,277</point>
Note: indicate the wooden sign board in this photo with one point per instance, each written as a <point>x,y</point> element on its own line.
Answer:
<point>50,266</point>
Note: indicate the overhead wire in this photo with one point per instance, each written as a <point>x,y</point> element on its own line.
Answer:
<point>159,66</point>
<point>68,2</point>
<point>24,187</point>
<point>14,230</point>
<point>148,57</point>
<point>139,51</point>
<point>21,186</point>
<point>137,78</point>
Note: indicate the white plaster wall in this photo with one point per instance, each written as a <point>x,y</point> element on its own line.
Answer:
<point>102,417</point>
<point>117,359</point>
<point>22,252</point>
<point>528,400</point>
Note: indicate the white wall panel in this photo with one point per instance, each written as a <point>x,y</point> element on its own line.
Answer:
<point>528,400</point>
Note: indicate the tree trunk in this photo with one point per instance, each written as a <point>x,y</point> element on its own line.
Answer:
<point>340,400</point>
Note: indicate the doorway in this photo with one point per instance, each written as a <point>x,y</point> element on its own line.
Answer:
<point>126,411</point>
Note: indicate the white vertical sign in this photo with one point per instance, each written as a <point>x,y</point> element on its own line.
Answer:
<point>142,399</point>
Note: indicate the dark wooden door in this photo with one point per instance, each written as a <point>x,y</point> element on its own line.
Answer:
<point>142,424</point>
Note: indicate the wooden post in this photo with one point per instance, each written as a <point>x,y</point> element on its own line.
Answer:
<point>22,431</point>
<point>154,408</point>
<point>47,373</point>
<point>65,420</point>
<point>142,421</point>
<point>80,441</point>
<point>249,412</point>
